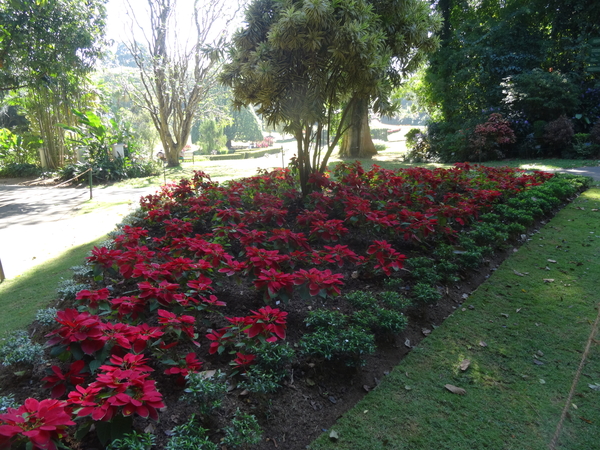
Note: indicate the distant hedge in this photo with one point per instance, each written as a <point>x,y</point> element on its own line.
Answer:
<point>246,154</point>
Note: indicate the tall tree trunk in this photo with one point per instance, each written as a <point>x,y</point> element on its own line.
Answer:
<point>356,141</point>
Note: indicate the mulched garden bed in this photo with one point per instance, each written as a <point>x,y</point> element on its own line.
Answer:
<point>215,225</point>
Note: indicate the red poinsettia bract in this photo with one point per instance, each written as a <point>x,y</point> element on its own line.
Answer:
<point>43,423</point>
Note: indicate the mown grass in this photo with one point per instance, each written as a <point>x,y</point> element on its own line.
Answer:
<point>21,297</point>
<point>524,337</point>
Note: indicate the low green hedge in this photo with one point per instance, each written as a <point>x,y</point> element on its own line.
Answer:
<point>246,155</point>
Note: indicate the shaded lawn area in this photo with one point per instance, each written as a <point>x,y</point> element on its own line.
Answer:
<point>21,297</point>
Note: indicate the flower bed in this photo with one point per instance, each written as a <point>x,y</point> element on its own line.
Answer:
<point>223,295</point>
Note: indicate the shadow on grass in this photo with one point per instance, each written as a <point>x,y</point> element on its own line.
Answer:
<point>21,297</point>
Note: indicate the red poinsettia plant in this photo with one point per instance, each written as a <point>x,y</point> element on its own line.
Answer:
<point>42,424</point>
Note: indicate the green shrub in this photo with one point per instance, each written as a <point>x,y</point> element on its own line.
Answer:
<point>206,393</point>
<point>17,349</point>
<point>243,431</point>
<point>332,338</point>
<point>46,316</point>
<point>488,234</point>
<point>394,300</point>
<point>595,133</point>
<point>7,401</point>
<point>379,133</point>
<point>133,441</point>
<point>274,358</point>
<point>583,147</point>
<point>259,381</point>
<point>68,289</point>
<point>20,170</point>
<point>324,318</point>
<point>411,137</point>
<point>361,299</point>
<point>424,294</point>
<point>105,170</point>
<point>380,321</point>
<point>419,148</point>
<point>190,436</point>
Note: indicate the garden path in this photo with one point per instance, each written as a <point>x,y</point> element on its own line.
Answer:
<point>38,223</point>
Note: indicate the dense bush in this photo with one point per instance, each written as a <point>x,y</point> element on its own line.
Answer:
<point>595,133</point>
<point>583,147</point>
<point>491,138</point>
<point>558,135</point>
<point>541,95</point>
<point>110,170</point>
<point>20,170</point>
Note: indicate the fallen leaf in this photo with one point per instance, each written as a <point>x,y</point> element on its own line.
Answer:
<point>518,309</point>
<point>407,343</point>
<point>585,420</point>
<point>464,364</point>
<point>482,344</point>
<point>540,353</point>
<point>548,280</point>
<point>542,381</point>
<point>354,274</point>
<point>504,315</point>
<point>538,362</point>
<point>208,374</point>
<point>518,273</point>
<point>595,387</point>
<point>455,390</point>
<point>366,388</point>
<point>334,436</point>
<point>552,261</point>
<point>426,332</point>
<point>408,388</point>
<point>574,405</point>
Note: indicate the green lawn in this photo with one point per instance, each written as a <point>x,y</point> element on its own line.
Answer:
<point>21,297</point>
<point>524,337</point>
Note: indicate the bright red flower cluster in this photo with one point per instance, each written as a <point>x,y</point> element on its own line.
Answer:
<point>123,386</point>
<point>42,423</point>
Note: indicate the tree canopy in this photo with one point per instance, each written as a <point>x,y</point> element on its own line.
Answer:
<point>44,41</point>
<point>301,61</point>
<point>177,73</point>
<point>493,42</point>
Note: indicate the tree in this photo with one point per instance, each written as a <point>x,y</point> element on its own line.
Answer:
<point>211,136</point>
<point>489,43</point>
<point>177,78</point>
<point>47,48</point>
<point>301,62</point>
<point>43,41</point>
<point>408,28</point>
<point>244,126</point>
